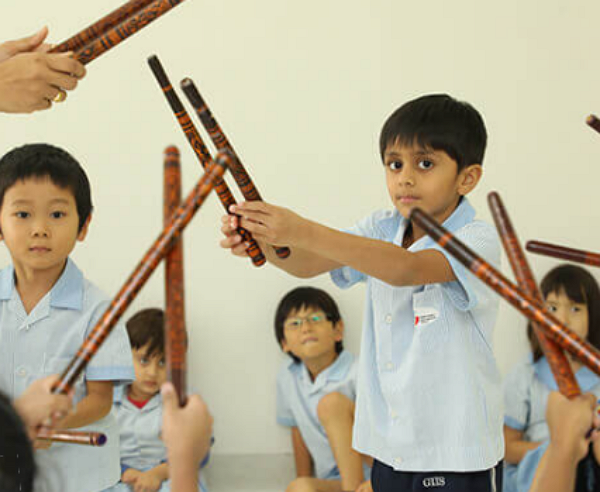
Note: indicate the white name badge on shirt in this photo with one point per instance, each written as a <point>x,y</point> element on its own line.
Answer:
<point>425,315</point>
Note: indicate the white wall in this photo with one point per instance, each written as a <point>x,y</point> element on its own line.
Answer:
<point>302,89</point>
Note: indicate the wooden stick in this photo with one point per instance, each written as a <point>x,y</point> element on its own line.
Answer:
<point>119,33</point>
<point>559,364</point>
<point>100,27</point>
<point>72,437</point>
<point>175,333</point>
<point>527,305</point>
<point>564,253</point>
<point>593,122</point>
<point>221,142</point>
<point>142,272</point>
<point>202,152</point>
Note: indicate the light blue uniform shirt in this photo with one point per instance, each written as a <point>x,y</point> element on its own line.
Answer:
<point>297,400</point>
<point>141,446</point>
<point>526,391</point>
<point>43,343</point>
<point>429,392</point>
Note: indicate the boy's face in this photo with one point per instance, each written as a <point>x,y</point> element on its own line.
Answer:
<point>572,314</point>
<point>39,224</point>
<point>426,178</point>
<point>150,373</point>
<point>308,334</point>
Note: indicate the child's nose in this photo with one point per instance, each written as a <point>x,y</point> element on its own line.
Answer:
<point>40,228</point>
<point>406,176</point>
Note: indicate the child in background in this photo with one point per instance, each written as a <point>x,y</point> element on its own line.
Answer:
<point>47,309</point>
<point>138,408</point>
<point>316,390</point>
<point>572,295</point>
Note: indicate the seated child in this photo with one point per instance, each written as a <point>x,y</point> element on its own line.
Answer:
<point>573,296</point>
<point>316,390</point>
<point>47,308</point>
<point>138,407</point>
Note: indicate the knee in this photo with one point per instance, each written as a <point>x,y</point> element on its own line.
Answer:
<point>302,484</point>
<point>333,406</point>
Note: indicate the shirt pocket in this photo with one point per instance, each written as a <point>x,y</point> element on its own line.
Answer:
<point>431,326</point>
<point>57,365</point>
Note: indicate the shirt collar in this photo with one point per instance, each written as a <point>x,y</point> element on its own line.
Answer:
<point>120,397</point>
<point>66,293</point>
<point>335,372</point>
<point>461,216</point>
<point>585,378</point>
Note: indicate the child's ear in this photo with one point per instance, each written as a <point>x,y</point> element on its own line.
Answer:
<point>84,230</point>
<point>338,330</point>
<point>468,178</point>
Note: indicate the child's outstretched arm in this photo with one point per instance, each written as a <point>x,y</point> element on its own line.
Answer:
<point>187,433</point>
<point>569,422</point>
<point>516,446</point>
<point>325,249</point>
<point>302,458</point>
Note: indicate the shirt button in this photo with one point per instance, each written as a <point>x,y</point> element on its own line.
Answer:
<point>388,319</point>
<point>22,372</point>
<point>389,366</point>
<point>398,460</point>
<point>393,414</point>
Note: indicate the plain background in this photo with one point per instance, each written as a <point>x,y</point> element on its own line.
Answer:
<point>302,90</point>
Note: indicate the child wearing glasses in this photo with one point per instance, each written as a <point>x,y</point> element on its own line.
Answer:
<point>316,390</point>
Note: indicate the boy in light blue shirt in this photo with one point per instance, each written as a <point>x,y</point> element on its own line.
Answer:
<point>47,308</point>
<point>316,391</point>
<point>138,408</point>
<point>429,399</point>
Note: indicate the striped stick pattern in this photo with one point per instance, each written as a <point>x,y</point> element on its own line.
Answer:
<point>100,27</point>
<point>119,33</point>
<point>175,332</point>
<point>527,305</point>
<point>221,142</point>
<point>202,152</point>
<point>72,437</point>
<point>564,253</point>
<point>142,272</point>
<point>593,122</point>
<point>559,364</point>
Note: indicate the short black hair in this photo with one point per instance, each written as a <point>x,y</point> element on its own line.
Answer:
<point>580,286</point>
<point>148,327</point>
<point>17,465</point>
<point>304,298</point>
<point>438,122</point>
<point>46,161</point>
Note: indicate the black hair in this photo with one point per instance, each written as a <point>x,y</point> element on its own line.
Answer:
<point>17,465</point>
<point>304,298</point>
<point>438,122</point>
<point>46,161</point>
<point>579,286</point>
<point>147,327</point>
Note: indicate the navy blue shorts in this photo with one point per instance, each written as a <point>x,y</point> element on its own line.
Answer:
<point>385,479</point>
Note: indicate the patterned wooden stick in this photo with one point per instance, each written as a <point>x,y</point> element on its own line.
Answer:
<point>559,364</point>
<point>203,154</point>
<point>564,253</point>
<point>594,122</point>
<point>140,275</point>
<point>72,437</point>
<point>175,333</point>
<point>221,142</point>
<point>122,31</point>
<point>530,307</point>
<point>100,27</point>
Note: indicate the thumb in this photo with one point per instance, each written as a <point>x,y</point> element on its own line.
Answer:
<point>169,397</point>
<point>27,44</point>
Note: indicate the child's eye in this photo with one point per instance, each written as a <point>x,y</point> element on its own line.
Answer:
<point>293,323</point>
<point>144,361</point>
<point>425,164</point>
<point>57,215</point>
<point>552,309</point>
<point>22,215</point>
<point>395,165</point>
<point>576,309</point>
<point>162,363</point>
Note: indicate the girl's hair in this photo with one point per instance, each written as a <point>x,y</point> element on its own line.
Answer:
<point>579,286</point>
<point>17,465</point>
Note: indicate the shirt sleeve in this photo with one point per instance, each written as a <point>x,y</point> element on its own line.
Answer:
<point>113,361</point>
<point>517,399</point>
<point>368,227</point>
<point>285,416</point>
<point>468,292</point>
